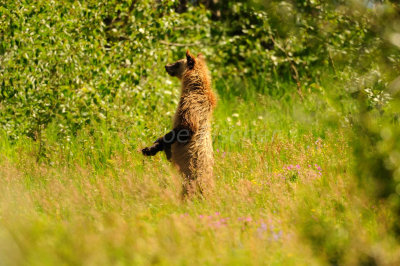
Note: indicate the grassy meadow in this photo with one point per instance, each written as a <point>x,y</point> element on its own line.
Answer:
<point>285,194</point>
<point>303,132</point>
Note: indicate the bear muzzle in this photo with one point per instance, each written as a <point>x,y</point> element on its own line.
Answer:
<point>170,69</point>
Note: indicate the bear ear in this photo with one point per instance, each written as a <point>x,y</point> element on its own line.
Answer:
<point>189,59</point>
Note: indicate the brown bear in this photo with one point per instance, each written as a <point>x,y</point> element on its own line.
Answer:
<point>189,144</point>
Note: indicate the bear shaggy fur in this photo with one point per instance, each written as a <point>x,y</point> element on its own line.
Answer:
<point>189,144</point>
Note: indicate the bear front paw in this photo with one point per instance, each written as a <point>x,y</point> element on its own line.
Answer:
<point>147,151</point>
<point>152,150</point>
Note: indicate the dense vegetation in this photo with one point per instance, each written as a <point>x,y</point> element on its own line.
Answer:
<point>306,133</point>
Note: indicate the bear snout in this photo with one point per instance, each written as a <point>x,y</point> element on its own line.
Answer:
<point>169,69</point>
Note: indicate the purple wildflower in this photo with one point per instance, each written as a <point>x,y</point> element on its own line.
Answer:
<point>277,236</point>
<point>261,229</point>
<point>263,226</point>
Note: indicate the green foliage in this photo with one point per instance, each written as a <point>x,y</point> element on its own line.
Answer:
<point>71,64</point>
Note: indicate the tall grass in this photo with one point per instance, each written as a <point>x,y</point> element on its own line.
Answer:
<point>285,194</point>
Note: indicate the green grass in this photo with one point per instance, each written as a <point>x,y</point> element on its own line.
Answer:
<point>285,195</point>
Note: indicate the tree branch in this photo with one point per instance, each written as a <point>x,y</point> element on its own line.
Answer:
<point>180,44</point>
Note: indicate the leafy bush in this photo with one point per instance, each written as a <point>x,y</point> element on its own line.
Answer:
<point>70,64</point>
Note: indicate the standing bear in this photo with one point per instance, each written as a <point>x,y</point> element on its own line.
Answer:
<point>188,145</point>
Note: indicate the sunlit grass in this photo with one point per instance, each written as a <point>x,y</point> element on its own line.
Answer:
<point>281,184</point>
